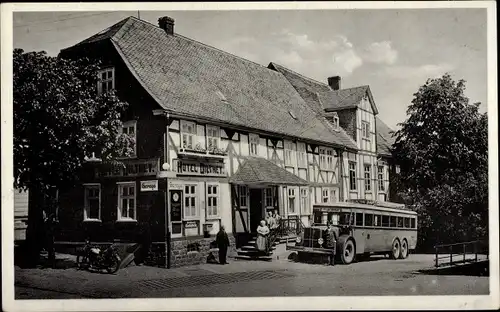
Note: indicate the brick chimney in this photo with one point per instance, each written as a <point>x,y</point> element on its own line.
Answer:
<point>334,82</point>
<point>167,24</point>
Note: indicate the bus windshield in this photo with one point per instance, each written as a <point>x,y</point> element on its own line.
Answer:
<point>342,218</point>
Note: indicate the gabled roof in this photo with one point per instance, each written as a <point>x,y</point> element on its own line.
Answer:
<point>188,77</point>
<point>256,170</point>
<point>329,100</point>
<point>385,138</point>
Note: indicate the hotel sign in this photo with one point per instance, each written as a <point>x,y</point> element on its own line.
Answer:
<point>195,168</point>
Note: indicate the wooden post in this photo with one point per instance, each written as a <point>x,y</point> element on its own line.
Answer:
<point>475,250</point>
<point>464,252</point>
<point>437,259</point>
<point>451,255</point>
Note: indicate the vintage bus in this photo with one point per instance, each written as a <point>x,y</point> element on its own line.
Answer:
<point>360,231</point>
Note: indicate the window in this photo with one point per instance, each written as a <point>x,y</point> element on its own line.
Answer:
<point>329,159</point>
<point>368,220</point>
<point>322,158</point>
<point>413,223</point>
<point>359,219</point>
<point>130,128</point>
<point>365,130</point>
<point>291,200</point>
<point>268,195</point>
<point>335,121</point>
<point>304,202</point>
<point>243,192</point>
<point>368,184</point>
<point>385,221</point>
<point>92,202</point>
<point>392,222</point>
<point>289,153</point>
<point>407,223</point>
<point>254,144</point>
<point>301,154</point>
<point>188,132</point>
<point>190,210</point>
<point>213,136</point>
<point>325,195</point>
<point>377,220</point>
<point>381,178</point>
<point>352,176</point>
<point>212,200</point>
<point>126,201</point>
<point>106,80</point>
<point>400,222</point>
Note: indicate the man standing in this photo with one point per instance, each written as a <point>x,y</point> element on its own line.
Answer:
<point>222,243</point>
<point>331,241</point>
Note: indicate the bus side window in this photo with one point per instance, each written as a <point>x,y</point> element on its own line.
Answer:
<point>413,225</point>
<point>400,222</point>
<point>368,220</point>
<point>393,221</point>
<point>359,219</point>
<point>385,221</point>
<point>407,223</point>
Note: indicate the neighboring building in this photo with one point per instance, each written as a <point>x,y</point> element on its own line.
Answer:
<point>20,214</point>
<point>240,138</point>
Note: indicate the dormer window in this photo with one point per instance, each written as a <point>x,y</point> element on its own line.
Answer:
<point>335,121</point>
<point>106,80</point>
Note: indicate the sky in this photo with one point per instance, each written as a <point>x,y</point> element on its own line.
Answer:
<point>394,51</point>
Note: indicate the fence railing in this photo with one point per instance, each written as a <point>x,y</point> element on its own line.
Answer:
<point>460,253</point>
<point>290,226</point>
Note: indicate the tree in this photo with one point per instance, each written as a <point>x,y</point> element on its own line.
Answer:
<point>442,150</point>
<point>59,120</point>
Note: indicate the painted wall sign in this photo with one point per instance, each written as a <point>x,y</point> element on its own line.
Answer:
<point>175,205</point>
<point>130,168</point>
<point>175,186</point>
<point>149,186</point>
<point>190,225</point>
<point>195,168</point>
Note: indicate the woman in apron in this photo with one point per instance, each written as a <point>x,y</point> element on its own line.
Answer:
<point>262,232</point>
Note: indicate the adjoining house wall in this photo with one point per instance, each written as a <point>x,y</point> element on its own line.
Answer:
<point>20,214</point>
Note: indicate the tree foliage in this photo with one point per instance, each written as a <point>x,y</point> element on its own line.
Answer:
<point>442,150</point>
<point>59,119</point>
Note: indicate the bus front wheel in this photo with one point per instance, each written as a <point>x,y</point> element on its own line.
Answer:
<point>396,249</point>
<point>348,252</point>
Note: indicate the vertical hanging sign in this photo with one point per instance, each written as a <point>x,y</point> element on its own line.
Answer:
<point>175,205</point>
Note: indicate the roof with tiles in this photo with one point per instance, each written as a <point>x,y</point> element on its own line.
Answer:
<point>385,139</point>
<point>188,77</point>
<point>320,96</point>
<point>260,170</point>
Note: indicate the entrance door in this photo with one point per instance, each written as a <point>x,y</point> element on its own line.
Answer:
<point>255,209</point>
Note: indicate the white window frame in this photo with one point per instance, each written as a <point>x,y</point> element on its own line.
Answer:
<point>253,144</point>
<point>213,136</point>
<point>353,172</point>
<point>329,159</point>
<point>292,195</point>
<point>301,155</point>
<point>122,185</point>
<point>304,201</point>
<point>101,82</point>
<point>125,129</point>
<point>210,197</point>
<point>269,195</point>
<point>289,153</point>
<point>86,208</point>
<point>365,130</point>
<point>243,194</point>
<point>367,175</point>
<point>192,135</point>
<point>190,195</point>
<point>380,178</point>
<point>325,195</point>
<point>322,158</point>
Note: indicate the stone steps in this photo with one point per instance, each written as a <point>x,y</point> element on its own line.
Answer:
<point>254,258</point>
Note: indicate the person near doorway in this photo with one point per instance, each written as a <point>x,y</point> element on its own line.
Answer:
<point>271,222</point>
<point>262,232</point>
<point>222,241</point>
<point>276,217</point>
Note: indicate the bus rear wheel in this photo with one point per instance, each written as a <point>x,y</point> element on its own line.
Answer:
<point>404,250</point>
<point>348,252</point>
<point>396,249</point>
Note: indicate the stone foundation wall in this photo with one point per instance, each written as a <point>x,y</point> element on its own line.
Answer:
<point>190,251</point>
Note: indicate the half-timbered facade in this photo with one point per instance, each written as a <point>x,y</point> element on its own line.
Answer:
<point>219,141</point>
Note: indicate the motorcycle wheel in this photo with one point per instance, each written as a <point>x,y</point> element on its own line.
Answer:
<point>114,265</point>
<point>82,262</point>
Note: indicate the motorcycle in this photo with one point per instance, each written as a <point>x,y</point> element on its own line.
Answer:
<point>93,257</point>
